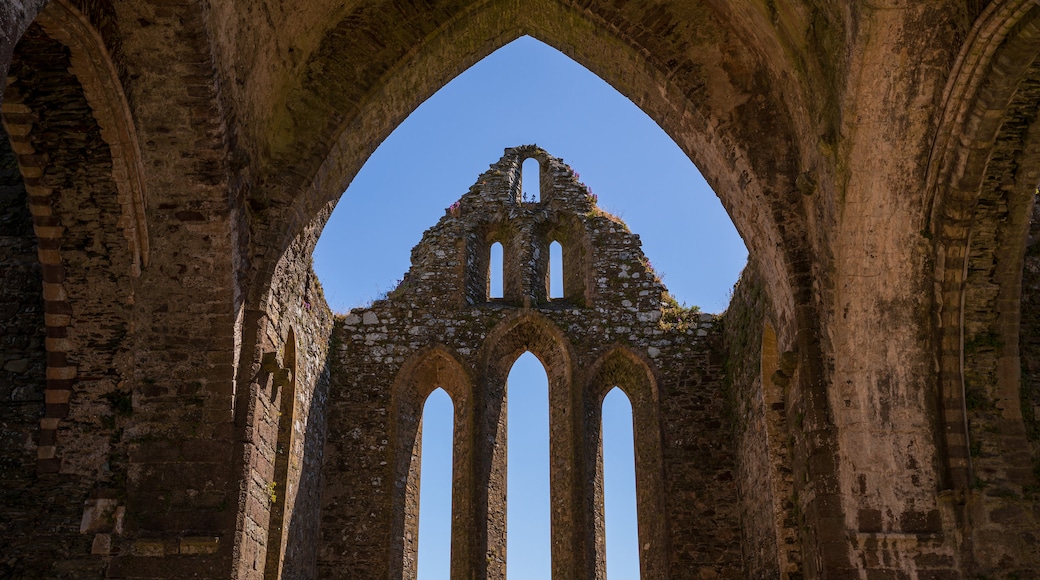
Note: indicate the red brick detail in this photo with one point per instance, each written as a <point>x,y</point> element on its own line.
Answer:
<point>56,411</point>
<point>17,119</point>
<point>44,466</point>
<point>48,437</point>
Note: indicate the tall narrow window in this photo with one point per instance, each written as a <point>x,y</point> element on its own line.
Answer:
<point>434,560</point>
<point>528,544</point>
<point>555,270</point>
<point>530,178</point>
<point>495,271</point>
<point>619,487</point>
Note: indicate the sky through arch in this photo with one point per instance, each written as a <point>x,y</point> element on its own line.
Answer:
<point>528,93</point>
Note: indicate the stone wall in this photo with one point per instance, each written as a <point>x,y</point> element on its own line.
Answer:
<point>757,381</point>
<point>1023,508</point>
<point>616,327</point>
<point>285,422</point>
<point>86,269</point>
<point>1030,339</point>
<point>999,324</point>
<point>701,460</point>
<point>22,370</point>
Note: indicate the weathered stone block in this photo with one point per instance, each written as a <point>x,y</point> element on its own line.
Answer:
<point>193,545</point>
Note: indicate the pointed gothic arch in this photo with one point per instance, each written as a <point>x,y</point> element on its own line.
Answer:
<point>529,332</point>
<point>729,111</point>
<point>430,369</point>
<point>621,368</point>
<point>986,161</point>
<point>284,399</point>
<point>578,288</point>
<point>752,186</point>
<point>97,84</point>
<point>93,65</point>
<point>984,172</point>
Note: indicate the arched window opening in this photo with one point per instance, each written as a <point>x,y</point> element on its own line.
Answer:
<point>619,487</point>
<point>556,271</point>
<point>528,541</point>
<point>284,395</point>
<point>434,559</point>
<point>495,271</point>
<point>530,180</point>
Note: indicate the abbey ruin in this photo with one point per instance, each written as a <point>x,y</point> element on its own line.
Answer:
<point>178,401</point>
<point>614,325</point>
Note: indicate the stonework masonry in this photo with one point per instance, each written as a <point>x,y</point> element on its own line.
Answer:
<point>614,326</point>
<point>177,400</point>
<point>757,386</point>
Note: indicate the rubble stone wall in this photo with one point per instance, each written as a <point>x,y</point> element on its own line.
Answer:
<point>616,326</point>
<point>80,441</point>
<point>23,364</point>
<point>758,380</point>
<point>285,425</point>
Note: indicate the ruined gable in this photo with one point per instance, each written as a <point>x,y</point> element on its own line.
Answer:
<point>615,325</point>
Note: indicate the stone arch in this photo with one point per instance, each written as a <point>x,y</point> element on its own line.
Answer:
<point>510,274</point>
<point>730,107</point>
<point>574,241</point>
<point>93,65</point>
<point>433,368</point>
<point>620,367</point>
<point>478,270</point>
<point>90,85</point>
<point>545,178</point>
<point>529,332</point>
<point>86,274</point>
<point>985,171</point>
<point>755,188</point>
<point>999,58</point>
<point>529,188</point>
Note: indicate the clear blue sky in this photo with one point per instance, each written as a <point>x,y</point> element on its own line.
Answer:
<point>524,93</point>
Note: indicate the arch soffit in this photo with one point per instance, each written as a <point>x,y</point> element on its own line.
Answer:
<point>717,110</point>
<point>92,65</point>
<point>432,368</point>
<point>527,332</point>
<point>97,73</point>
<point>980,84</point>
<point>1002,48</point>
<point>622,368</point>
